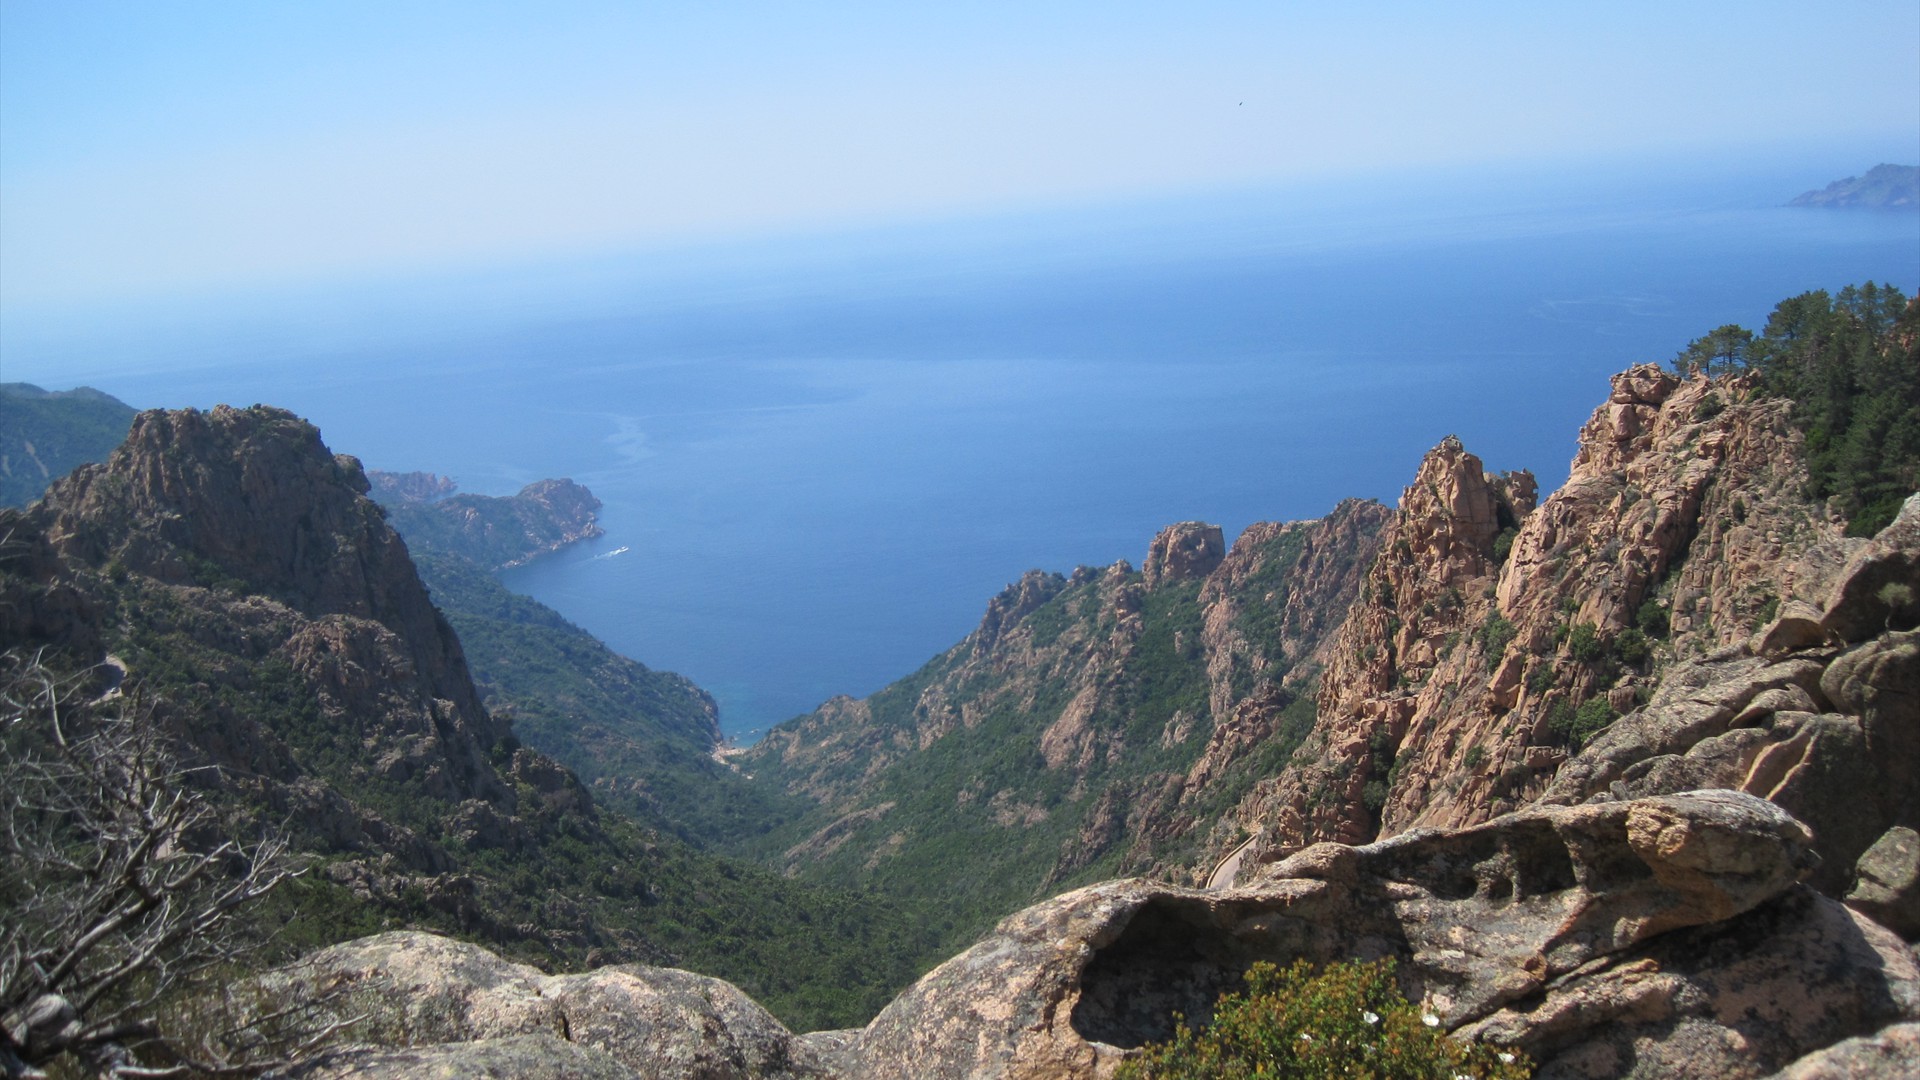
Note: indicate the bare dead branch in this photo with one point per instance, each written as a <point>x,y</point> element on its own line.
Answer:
<point>119,891</point>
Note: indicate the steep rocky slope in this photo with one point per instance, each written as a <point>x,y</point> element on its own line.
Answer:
<point>1468,674</point>
<point>224,575</point>
<point>1082,730</point>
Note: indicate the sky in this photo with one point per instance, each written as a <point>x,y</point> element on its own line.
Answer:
<point>148,149</point>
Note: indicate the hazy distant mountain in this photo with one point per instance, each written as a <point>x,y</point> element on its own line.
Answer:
<point>1885,187</point>
<point>44,435</point>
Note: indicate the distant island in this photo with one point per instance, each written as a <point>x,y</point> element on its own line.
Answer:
<point>1885,187</point>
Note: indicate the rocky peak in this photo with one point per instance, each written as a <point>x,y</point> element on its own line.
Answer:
<point>1187,551</point>
<point>1458,681</point>
<point>410,487</point>
<point>237,533</point>
<point>1014,603</point>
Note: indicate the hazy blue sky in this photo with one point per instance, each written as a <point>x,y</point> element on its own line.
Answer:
<point>153,147</point>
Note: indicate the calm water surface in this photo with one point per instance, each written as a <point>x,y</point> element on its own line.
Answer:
<point>822,455</point>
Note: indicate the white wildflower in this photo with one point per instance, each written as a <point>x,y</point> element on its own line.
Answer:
<point>1506,1058</point>
<point>1429,1019</point>
<point>1304,1037</point>
<point>1369,1017</point>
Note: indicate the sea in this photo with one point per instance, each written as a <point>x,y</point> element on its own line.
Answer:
<point>821,452</point>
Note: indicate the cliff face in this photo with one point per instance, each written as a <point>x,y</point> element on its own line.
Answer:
<point>1090,723</point>
<point>230,543</point>
<point>1476,661</point>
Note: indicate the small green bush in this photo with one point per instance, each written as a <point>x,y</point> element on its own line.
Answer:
<point>1495,635</point>
<point>1630,645</point>
<point>1347,1021</point>
<point>1653,619</point>
<point>1584,643</point>
<point>1576,726</point>
<point>1503,544</point>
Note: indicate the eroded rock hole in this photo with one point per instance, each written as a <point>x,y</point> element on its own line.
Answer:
<point>1171,959</point>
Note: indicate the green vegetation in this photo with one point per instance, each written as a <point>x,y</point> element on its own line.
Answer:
<point>1630,647</point>
<point>1503,543</point>
<point>44,436</point>
<point>1653,619</point>
<point>1347,1021</point>
<point>815,957</point>
<point>1578,726</point>
<point>1585,644</point>
<point>1495,635</point>
<point>1850,362</point>
<point>970,787</point>
<point>642,740</point>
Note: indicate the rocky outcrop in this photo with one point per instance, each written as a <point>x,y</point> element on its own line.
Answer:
<point>409,487</point>
<point>1818,712</point>
<point>239,538</point>
<point>1488,631</point>
<point>433,1006</point>
<point>1649,938</point>
<point>1185,552</point>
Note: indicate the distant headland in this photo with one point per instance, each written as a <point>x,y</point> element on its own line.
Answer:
<point>1884,187</point>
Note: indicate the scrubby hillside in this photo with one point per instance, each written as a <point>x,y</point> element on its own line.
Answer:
<point>45,435</point>
<point>646,742</point>
<point>1084,729</point>
<point>225,571</point>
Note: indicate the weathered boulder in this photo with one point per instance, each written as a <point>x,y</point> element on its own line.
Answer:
<point>1890,1054</point>
<point>540,1056</point>
<point>669,1023</point>
<point>1887,882</point>
<point>436,1007</point>
<point>1880,587</point>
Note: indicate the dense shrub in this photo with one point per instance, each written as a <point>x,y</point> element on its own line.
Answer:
<point>1630,645</point>
<point>1349,1020</point>
<point>1495,635</point>
<point>1584,643</point>
<point>1576,726</point>
<point>1850,362</point>
<point>1653,619</point>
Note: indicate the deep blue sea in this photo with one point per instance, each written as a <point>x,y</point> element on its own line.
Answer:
<point>821,454</point>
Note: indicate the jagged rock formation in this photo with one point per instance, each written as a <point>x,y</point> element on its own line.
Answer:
<point>236,535</point>
<point>1087,726</point>
<point>498,533</point>
<point>1656,937</point>
<point>1819,712</point>
<point>409,487</point>
<point>1455,681</point>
